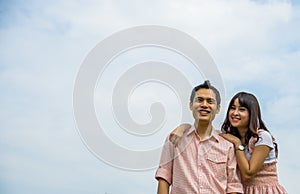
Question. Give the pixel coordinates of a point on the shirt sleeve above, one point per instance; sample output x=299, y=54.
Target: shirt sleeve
x=234, y=181
x=165, y=168
x=265, y=138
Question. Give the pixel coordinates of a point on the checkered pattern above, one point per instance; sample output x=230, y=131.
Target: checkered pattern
x=200, y=166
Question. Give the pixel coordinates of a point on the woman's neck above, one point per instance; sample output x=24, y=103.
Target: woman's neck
x=243, y=132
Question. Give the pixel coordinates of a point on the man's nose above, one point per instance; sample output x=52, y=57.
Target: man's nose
x=204, y=103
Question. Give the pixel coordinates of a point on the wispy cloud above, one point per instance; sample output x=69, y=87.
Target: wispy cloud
x=255, y=45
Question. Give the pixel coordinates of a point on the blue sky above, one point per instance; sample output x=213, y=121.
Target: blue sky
x=255, y=45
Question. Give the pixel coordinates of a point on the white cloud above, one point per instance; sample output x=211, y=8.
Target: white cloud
x=255, y=45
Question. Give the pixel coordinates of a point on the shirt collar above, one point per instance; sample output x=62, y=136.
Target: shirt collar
x=214, y=133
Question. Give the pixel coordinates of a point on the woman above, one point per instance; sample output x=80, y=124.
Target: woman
x=256, y=150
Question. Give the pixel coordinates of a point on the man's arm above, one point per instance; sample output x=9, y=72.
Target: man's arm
x=164, y=173
x=233, y=182
x=163, y=187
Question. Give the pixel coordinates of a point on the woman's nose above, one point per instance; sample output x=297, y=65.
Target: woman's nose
x=235, y=112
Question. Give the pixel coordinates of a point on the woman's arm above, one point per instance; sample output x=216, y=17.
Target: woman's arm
x=176, y=134
x=248, y=168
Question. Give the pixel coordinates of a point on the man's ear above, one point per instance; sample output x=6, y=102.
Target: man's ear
x=218, y=108
x=191, y=105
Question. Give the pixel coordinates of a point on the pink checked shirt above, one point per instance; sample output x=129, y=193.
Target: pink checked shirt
x=200, y=166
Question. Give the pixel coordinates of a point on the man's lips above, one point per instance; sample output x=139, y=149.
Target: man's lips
x=204, y=112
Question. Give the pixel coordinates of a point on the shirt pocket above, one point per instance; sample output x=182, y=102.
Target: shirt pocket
x=218, y=166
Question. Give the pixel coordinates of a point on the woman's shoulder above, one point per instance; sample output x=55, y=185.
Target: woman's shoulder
x=264, y=133
x=264, y=138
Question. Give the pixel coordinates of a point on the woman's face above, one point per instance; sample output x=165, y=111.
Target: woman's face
x=238, y=115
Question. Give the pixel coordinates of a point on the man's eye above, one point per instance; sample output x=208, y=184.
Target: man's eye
x=211, y=101
x=199, y=100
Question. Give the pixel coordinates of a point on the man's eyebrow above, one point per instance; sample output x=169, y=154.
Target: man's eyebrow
x=199, y=98
x=203, y=98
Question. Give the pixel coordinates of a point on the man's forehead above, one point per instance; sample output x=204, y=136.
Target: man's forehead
x=205, y=93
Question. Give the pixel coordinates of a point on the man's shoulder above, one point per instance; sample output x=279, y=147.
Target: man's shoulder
x=223, y=140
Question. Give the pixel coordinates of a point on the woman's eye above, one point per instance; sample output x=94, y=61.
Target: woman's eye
x=243, y=109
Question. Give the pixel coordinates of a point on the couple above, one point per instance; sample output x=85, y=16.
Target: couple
x=198, y=159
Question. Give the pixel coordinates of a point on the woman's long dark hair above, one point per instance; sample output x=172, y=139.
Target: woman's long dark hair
x=250, y=102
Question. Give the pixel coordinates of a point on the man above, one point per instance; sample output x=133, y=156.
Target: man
x=203, y=162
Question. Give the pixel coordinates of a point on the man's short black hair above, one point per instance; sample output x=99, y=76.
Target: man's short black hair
x=206, y=85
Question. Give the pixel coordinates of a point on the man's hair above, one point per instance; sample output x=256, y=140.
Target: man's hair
x=206, y=85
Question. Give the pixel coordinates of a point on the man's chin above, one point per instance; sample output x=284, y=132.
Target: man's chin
x=204, y=120
x=204, y=117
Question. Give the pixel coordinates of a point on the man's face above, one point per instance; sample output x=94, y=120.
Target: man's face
x=204, y=106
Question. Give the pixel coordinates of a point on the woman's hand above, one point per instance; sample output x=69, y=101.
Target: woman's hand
x=176, y=135
x=231, y=138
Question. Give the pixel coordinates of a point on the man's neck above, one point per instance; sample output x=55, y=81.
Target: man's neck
x=203, y=129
